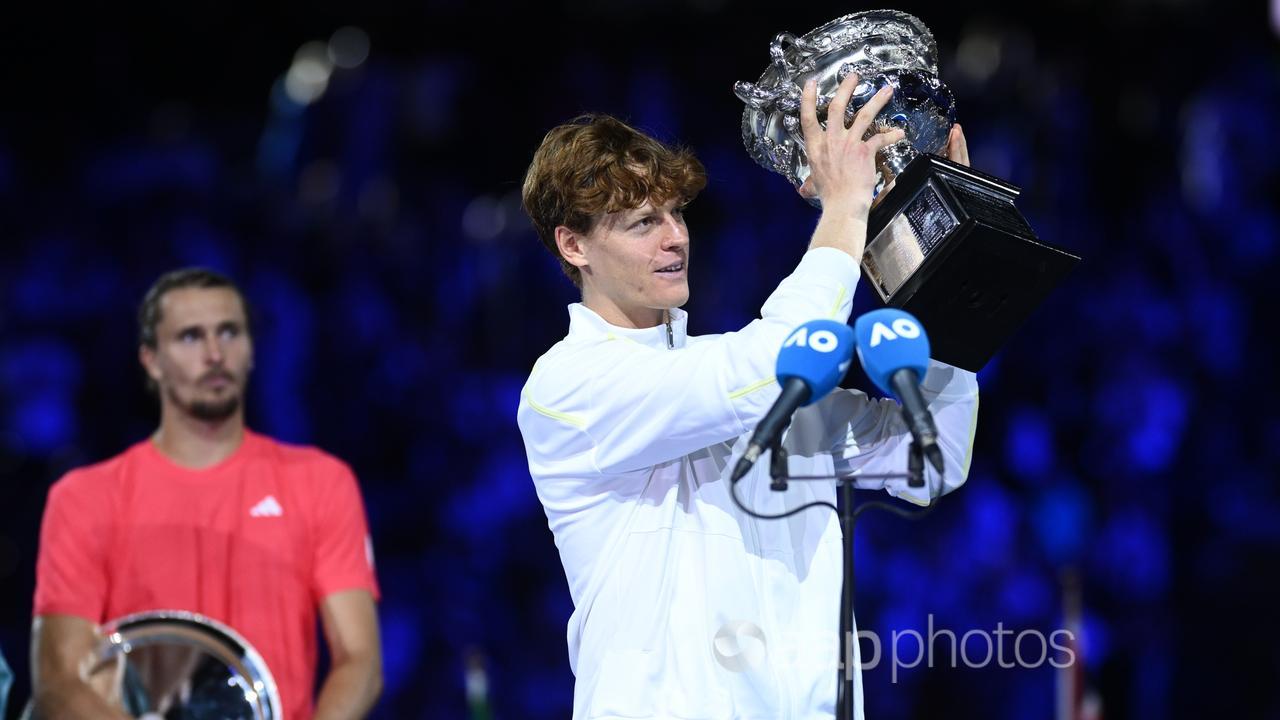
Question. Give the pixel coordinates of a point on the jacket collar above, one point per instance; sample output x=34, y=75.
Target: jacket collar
x=584, y=323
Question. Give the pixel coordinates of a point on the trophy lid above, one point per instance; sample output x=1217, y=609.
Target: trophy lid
x=872, y=40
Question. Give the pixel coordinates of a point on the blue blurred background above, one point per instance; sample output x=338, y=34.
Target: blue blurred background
x=356, y=167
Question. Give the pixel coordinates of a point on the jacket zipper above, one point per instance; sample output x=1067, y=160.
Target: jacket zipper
x=762, y=588
x=671, y=337
x=770, y=618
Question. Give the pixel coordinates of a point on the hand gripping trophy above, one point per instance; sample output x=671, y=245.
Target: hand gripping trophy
x=945, y=242
x=162, y=664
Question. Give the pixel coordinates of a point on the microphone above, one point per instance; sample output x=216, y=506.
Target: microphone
x=894, y=352
x=811, y=362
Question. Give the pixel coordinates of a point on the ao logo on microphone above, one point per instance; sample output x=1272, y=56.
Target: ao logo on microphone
x=902, y=327
x=824, y=341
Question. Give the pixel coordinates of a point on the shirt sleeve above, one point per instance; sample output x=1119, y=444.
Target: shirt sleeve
x=343, y=547
x=71, y=564
x=870, y=436
x=616, y=406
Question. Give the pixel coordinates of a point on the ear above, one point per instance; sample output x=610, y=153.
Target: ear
x=571, y=246
x=147, y=357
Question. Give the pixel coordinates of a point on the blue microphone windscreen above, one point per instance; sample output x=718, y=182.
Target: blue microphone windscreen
x=818, y=352
x=889, y=340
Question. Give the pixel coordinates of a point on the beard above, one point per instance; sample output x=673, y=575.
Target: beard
x=214, y=411
x=207, y=410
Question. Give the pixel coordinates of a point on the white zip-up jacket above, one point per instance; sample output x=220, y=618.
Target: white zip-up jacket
x=631, y=436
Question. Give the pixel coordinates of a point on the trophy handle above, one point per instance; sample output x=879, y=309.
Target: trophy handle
x=777, y=52
x=754, y=96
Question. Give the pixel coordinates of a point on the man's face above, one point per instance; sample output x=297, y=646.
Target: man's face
x=639, y=258
x=203, y=352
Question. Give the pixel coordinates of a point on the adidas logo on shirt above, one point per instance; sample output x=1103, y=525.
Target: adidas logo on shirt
x=267, y=507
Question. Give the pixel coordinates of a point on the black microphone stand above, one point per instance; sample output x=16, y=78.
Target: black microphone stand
x=848, y=515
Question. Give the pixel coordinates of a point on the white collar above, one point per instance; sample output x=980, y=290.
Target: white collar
x=585, y=322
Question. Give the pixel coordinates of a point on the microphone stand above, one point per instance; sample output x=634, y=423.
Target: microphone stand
x=779, y=479
x=845, y=669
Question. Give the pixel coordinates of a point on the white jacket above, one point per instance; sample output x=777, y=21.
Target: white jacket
x=631, y=435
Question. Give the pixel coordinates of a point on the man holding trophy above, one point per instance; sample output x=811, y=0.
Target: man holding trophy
x=214, y=535
x=632, y=426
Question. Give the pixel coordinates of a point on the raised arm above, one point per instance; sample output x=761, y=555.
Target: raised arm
x=842, y=165
x=870, y=436
x=614, y=406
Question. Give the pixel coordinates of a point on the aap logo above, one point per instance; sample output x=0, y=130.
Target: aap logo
x=739, y=646
x=902, y=327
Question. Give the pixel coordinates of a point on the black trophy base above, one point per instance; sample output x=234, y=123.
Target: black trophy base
x=983, y=271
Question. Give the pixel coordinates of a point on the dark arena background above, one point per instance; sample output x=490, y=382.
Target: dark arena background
x=356, y=167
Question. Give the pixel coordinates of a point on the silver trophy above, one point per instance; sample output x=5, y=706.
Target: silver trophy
x=945, y=242
x=172, y=664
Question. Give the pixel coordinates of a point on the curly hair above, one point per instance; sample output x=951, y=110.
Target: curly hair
x=595, y=165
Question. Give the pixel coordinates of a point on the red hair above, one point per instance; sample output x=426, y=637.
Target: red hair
x=595, y=165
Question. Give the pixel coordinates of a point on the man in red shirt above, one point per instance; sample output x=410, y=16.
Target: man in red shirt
x=209, y=517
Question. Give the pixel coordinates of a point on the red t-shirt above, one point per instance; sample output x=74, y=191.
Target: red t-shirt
x=255, y=542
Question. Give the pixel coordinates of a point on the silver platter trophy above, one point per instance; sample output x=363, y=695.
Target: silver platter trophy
x=945, y=242
x=176, y=665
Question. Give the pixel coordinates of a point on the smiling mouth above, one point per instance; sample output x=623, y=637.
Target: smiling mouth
x=671, y=269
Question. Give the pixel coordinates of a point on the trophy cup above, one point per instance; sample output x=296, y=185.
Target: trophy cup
x=944, y=241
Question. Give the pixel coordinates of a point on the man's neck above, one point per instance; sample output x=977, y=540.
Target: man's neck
x=197, y=444
x=615, y=314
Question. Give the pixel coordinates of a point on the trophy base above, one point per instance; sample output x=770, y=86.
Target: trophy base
x=948, y=246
